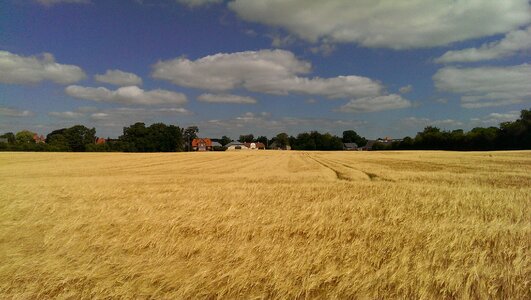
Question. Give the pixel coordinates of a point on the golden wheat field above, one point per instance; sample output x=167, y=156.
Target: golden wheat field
x=264, y=225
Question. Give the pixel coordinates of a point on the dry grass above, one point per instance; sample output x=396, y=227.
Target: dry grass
x=265, y=225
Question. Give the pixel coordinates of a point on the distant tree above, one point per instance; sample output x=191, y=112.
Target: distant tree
x=247, y=138
x=134, y=138
x=10, y=136
x=315, y=140
x=483, y=138
x=282, y=140
x=158, y=137
x=517, y=134
x=188, y=134
x=262, y=139
x=225, y=140
x=429, y=138
x=25, y=137
x=79, y=136
x=351, y=136
x=58, y=141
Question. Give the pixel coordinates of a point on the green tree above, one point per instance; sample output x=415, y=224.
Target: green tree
x=79, y=136
x=188, y=135
x=282, y=140
x=351, y=136
x=247, y=138
x=58, y=141
x=10, y=136
x=225, y=140
x=158, y=137
x=262, y=139
x=25, y=137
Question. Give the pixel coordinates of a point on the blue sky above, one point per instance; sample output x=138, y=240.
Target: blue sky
x=263, y=66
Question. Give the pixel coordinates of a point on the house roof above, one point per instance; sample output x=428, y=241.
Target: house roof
x=206, y=141
x=216, y=144
x=235, y=143
x=350, y=145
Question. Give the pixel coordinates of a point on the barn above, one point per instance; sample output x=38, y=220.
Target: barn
x=236, y=146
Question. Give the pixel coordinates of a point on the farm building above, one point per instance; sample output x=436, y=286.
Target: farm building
x=255, y=146
x=100, y=141
x=202, y=144
x=236, y=146
x=350, y=146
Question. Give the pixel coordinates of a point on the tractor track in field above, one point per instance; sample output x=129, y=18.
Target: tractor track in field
x=339, y=175
x=371, y=176
x=327, y=163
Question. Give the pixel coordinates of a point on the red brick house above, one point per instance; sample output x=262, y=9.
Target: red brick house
x=39, y=138
x=100, y=141
x=202, y=144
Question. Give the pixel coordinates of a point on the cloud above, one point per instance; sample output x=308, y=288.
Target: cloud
x=111, y=121
x=126, y=114
x=66, y=114
x=388, y=23
x=373, y=104
x=486, y=86
x=494, y=119
x=225, y=71
x=33, y=69
x=250, y=32
x=225, y=98
x=13, y=112
x=265, y=123
x=281, y=41
x=53, y=2
x=406, y=89
x=419, y=123
x=266, y=71
x=325, y=49
x=513, y=42
x=119, y=78
x=126, y=95
x=197, y=3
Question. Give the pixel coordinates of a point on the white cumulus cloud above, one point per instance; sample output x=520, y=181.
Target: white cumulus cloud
x=266, y=71
x=120, y=78
x=66, y=114
x=13, y=112
x=494, y=119
x=486, y=86
x=197, y=3
x=419, y=123
x=406, y=89
x=388, y=23
x=513, y=42
x=126, y=95
x=373, y=104
x=226, y=98
x=33, y=69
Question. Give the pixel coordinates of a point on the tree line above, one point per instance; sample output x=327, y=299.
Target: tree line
x=514, y=135
x=159, y=137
